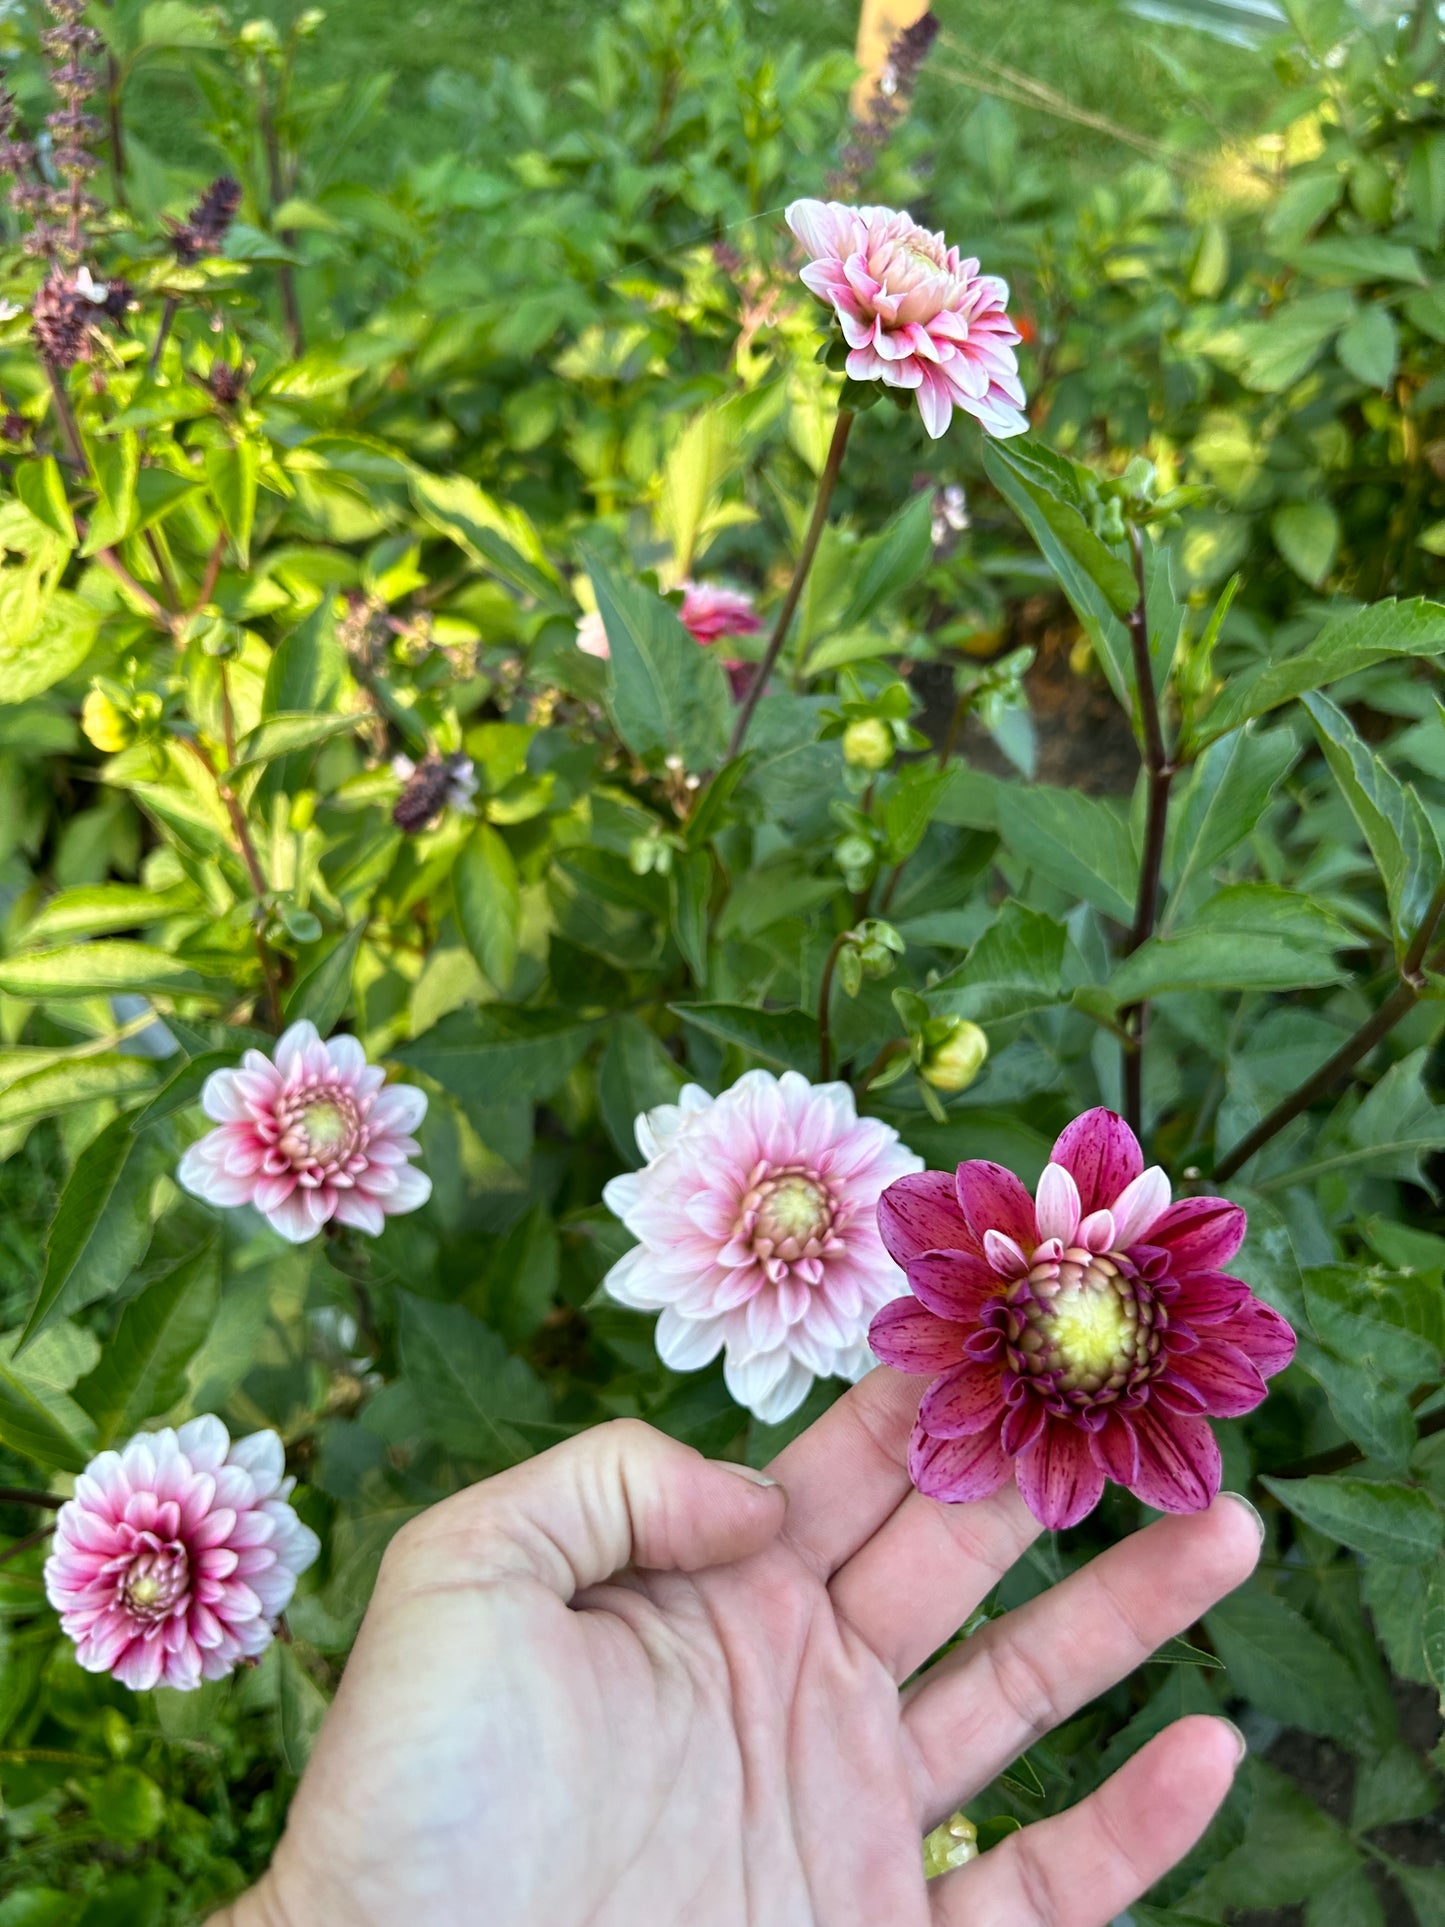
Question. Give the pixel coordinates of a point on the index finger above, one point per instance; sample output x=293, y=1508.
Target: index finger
x=849, y=1471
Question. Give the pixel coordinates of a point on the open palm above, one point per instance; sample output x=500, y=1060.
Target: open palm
x=624, y=1685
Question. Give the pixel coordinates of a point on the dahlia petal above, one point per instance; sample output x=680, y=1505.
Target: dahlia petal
x=363, y=1212
x=1258, y=1330
x=1179, y=1465
x=345, y=1055
x=687, y=1344
x=1006, y=1257
x=992, y=1199
x=921, y=1213
x=1228, y=1382
x=1022, y=1424
x=962, y=1402
x=398, y=1109
x=1139, y=1206
x=1116, y=1449
x=293, y=1045
x=958, y=1470
x=1205, y=1297
x=1103, y=1155
x=953, y=1284
x=1097, y=1232
x=292, y=1219
x=935, y=402
x=1057, y=1204
x=264, y=1457
x=1200, y=1234
x=1058, y=1477
x=909, y=1338
x=769, y=1384
x=222, y=1100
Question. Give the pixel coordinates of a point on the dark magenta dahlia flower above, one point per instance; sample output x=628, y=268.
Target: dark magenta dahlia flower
x=1086, y=1334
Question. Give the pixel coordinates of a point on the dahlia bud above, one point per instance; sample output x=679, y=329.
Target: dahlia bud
x=103, y=724
x=868, y=744
x=952, y=1845
x=953, y=1059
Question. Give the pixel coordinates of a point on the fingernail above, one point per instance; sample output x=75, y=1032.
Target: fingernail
x=1253, y=1511
x=1240, y=1743
x=745, y=1472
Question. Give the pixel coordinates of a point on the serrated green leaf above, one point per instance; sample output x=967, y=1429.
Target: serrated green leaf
x=467, y=1385
x=498, y=535
x=1370, y=348
x=1392, y=1324
x=496, y=1053
x=636, y=1074
x=786, y=1039
x=55, y=1087
x=283, y=735
x=1277, y=1660
x=1016, y=966
x=323, y=992
x=41, y=487
x=1247, y=936
x=1228, y=793
x=232, y=473
x=1389, y=1521
x=98, y=908
x=1307, y=535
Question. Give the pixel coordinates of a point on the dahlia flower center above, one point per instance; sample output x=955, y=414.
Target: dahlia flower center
x=1084, y=1325
x=155, y=1581
x=792, y=1214
x=322, y=1128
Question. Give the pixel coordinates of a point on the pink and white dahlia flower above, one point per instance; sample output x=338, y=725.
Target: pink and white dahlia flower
x=177, y=1555
x=1085, y=1334
x=309, y=1137
x=758, y=1236
x=914, y=313
x=708, y=613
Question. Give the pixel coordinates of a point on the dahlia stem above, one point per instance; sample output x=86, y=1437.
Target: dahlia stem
x=259, y=887
x=1160, y=772
x=1400, y=1002
x=825, y=999
x=163, y=332
x=29, y=1495
x=31, y=1539
x=826, y=482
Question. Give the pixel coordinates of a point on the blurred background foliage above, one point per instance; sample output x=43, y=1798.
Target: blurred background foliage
x=508, y=319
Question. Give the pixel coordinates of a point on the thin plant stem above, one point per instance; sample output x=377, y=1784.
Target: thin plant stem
x=1160, y=774
x=29, y=1495
x=69, y=427
x=31, y=1539
x=825, y=1000
x=285, y=277
x=117, y=130
x=158, y=613
x=259, y=887
x=1400, y=1002
x=163, y=332
x=163, y=569
x=826, y=482
x=209, y=579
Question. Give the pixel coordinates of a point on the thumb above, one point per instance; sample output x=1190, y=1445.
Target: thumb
x=618, y=1495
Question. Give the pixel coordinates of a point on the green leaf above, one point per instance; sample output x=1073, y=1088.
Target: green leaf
x=495, y=534
x=102, y=1224
x=98, y=908
x=1045, y=490
x=81, y=1080
x=1307, y=535
x=307, y=673
x=1390, y=1324
x=893, y=560
x=1375, y=1414
x=1370, y=348
x=468, y=1387
x=1432, y=1632
x=668, y=697
x=157, y=492
x=91, y=969
x=282, y=735
x=1400, y=835
x=142, y=1372
x=1228, y=793
x=1278, y=1661
x=497, y=1053
x=1350, y=1901
x=37, y=1419
x=1399, y=1522
x=1016, y=966
x=488, y=897
x=115, y=460
x=36, y=656
x=519, y=1285
x=41, y=487
x=1249, y=936
x=636, y=1074
x=324, y=991
x=785, y=1039
x=300, y=1708
x=232, y=472
x=1278, y=351
x=908, y=807
x=183, y=1088
x=1348, y=643
x=1081, y=844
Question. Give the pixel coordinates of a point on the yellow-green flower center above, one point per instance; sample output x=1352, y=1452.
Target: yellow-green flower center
x=327, y=1127
x=1090, y=1327
x=795, y=1209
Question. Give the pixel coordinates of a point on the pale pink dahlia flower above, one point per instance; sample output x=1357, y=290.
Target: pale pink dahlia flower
x=914, y=313
x=1086, y=1334
x=309, y=1137
x=708, y=613
x=177, y=1555
x=758, y=1236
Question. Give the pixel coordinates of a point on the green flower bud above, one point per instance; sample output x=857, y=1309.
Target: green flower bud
x=868, y=744
x=952, y=1845
x=954, y=1059
x=876, y=959
x=854, y=855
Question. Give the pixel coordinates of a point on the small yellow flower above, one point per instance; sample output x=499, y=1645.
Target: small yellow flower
x=868, y=744
x=109, y=728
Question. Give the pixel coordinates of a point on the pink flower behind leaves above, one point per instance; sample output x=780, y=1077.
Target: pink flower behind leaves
x=1086, y=1334
x=177, y=1555
x=708, y=613
x=758, y=1237
x=308, y=1137
x=914, y=313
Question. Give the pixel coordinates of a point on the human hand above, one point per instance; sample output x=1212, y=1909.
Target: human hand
x=627, y=1686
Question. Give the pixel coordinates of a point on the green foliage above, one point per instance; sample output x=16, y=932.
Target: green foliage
x=349, y=485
